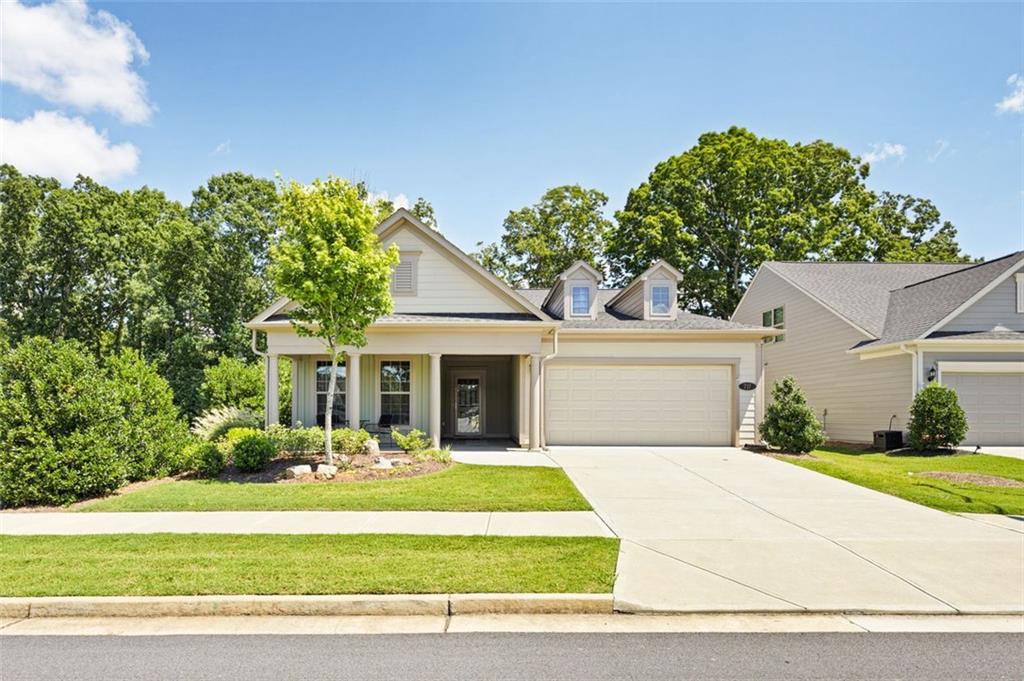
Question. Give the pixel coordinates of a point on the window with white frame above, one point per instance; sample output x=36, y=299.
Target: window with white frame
x=396, y=390
x=775, y=319
x=323, y=382
x=661, y=300
x=581, y=300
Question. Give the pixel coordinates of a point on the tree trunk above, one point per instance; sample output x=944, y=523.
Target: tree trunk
x=329, y=409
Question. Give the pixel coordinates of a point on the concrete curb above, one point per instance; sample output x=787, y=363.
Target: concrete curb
x=356, y=605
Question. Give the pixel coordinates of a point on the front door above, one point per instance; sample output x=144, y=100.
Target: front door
x=469, y=403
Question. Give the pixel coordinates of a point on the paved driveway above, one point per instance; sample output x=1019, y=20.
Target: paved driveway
x=711, y=529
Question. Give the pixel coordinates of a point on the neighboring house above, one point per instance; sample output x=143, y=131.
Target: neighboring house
x=862, y=338
x=466, y=356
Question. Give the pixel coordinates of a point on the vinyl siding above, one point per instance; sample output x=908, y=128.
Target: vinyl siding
x=998, y=307
x=632, y=303
x=557, y=305
x=860, y=395
x=743, y=352
x=442, y=285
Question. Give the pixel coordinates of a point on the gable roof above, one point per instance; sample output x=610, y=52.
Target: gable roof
x=403, y=217
x=858, y=291
x=610, y=319
x=660, y=264
x=918, y=310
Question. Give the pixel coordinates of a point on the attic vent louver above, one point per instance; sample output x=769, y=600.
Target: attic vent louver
x=403, y=280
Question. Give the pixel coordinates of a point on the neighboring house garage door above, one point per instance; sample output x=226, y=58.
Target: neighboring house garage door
x=994, y=404
x=638, y=405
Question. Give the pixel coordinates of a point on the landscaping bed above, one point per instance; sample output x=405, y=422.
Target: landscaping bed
x=175, y=564
x=350, y=469
x=957, y=482
x=459, y=487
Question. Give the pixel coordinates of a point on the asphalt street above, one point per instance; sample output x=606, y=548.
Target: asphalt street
x=482, y=656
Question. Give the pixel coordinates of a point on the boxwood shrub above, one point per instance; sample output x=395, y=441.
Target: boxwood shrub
x=253, y=452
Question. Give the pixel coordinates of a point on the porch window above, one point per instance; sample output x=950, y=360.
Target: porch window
x=396, y=390
x=581, y=300
x=775, y=319
x=323, y=382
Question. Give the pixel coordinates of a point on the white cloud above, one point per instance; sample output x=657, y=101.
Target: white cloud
x=884, y=150
x=1013, y=102
x=52, y=144
x=398, y=200
x=940, y=148
x=222, y=149
x=71, y=55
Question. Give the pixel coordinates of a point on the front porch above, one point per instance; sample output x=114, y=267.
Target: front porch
x=480, y=400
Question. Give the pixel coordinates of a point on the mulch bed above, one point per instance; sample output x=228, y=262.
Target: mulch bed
x=971, y=479
x=360, y=468
x=783, y=455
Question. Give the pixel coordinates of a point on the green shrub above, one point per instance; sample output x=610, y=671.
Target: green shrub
x=60, y=425
x=936, y=419
x=443, y=455
x=253, y=452
x=215, y=423
x=349, y=442
x=789, y=423
x=414, y=441
x=227, y=443
x=233, y=383
x=152, y=432
x=297, y=440
x=205, y=458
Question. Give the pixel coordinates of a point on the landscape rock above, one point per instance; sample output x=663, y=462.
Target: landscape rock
x=371, y=448
x=401, y=461
x=326, y=470
x=382, y=463
x=296, y=471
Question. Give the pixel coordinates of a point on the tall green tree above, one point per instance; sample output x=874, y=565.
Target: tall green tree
x=329, y=260
x=542, y=240
x=238, y=213
x=720, y=209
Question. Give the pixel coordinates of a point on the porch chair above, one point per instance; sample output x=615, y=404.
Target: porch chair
x=382, y=429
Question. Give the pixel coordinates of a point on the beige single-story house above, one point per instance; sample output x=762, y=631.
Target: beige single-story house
x=862, y=339
x=466, y=356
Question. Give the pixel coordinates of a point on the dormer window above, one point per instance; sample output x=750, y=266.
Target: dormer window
x=661, y=300
x=581, y=301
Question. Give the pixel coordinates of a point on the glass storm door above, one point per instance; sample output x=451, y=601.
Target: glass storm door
x=468, y=404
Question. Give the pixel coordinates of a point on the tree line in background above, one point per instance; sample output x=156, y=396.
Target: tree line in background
x=716, y=212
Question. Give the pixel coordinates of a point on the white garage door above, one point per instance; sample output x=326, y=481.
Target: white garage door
x=994, y=404
x=638, y=405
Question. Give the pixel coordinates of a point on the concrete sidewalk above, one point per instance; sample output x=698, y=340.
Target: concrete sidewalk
x=508, y=524
x=721, y=529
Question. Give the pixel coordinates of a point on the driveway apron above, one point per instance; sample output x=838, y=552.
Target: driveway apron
x=723, y=529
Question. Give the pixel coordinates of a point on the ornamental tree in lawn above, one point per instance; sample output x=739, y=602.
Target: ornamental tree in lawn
x=328, y=259
x=789, y=423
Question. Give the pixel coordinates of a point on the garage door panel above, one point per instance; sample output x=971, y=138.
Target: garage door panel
x=994, y=405
x=653, y=405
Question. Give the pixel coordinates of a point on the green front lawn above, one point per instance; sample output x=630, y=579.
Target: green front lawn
x=194, y=564
x=462, y=487
x=900, y=476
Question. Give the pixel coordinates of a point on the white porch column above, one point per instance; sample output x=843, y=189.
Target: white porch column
x=535, y=402
x=352, y=391
x=435, y=399
x=270, y=415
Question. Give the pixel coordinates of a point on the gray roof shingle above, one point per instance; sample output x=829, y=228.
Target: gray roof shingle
x=914, y=309
x=859, y=291
x=610, y=319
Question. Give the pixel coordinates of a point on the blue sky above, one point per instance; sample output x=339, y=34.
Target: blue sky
x=480, y=108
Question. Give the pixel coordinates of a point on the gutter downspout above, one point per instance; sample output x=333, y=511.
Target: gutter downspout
x=543, y=361
x=914, y=378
